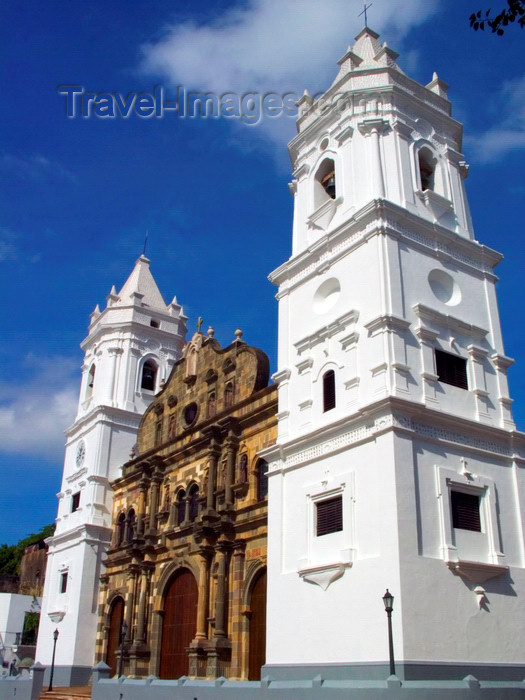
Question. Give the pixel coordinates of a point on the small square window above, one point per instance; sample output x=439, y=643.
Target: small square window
x=465, y=511
x=329, y=516
x=451, y=369
x=63, y=582
x=154, y=323
x=75, y=501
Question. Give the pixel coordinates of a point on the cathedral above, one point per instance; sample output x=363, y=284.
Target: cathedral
x=211, y=523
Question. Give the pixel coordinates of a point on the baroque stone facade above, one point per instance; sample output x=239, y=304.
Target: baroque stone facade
x=186, y=570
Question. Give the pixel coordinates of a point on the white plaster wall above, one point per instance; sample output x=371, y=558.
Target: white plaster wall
x=397, y=540
x=346, y=622
x=13, y=609
x=77, y=629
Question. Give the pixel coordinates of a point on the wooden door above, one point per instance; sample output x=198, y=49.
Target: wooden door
x=179, y=625
x=257, y=643
x=116, y=617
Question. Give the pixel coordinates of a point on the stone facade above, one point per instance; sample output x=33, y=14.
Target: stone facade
x=33, y=569
x=189, y=517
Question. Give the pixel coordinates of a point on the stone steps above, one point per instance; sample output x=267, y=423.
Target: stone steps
x=73, y=693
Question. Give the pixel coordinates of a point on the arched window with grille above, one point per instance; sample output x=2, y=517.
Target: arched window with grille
x=181, y=506
x=193, y=502
x=261, y=472
x=131, y=523
x=121, y=528
x=328, y=390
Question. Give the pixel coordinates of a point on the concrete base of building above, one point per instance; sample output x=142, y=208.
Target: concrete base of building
x=405, y=671
x=65, y=676
x=322, y=686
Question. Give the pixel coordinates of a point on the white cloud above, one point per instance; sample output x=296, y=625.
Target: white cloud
x=34, y=413
x=509, y=134
x=35, y=166
x=272, y=46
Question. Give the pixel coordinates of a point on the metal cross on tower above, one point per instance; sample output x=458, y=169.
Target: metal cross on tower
x=365, y=8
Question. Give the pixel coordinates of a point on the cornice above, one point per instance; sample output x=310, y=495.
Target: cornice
x=337, y=326
x=87, y=532
x=430, y=315
x=393, y=414
x=102, y=414
x=381, y=217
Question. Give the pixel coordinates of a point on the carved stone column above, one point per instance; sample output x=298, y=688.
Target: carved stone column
x=141, y=621
x=220, y=601
x=214, y=451
x=231, y=453
x=204, y=593
x=156, y=481
x=139, y=652
x=230, y=427
x=198, y=647
x=236, y=669
x=130, y=601
x=143, y=486
x=219, y=650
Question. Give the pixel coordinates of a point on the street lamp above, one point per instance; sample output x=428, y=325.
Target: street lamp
x=388, y=600
x=123, y=633
x=55, y=637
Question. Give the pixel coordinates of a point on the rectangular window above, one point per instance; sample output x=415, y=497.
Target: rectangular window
x=63, y=582
x=465, y=511
x=75, y=501
x=329, y=516
x=451, y=369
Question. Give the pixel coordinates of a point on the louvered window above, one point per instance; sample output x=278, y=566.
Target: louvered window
x=451, y=369
x=329, y=516
x=465, y=511
x=329, y=390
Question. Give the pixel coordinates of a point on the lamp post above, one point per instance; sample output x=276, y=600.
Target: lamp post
x=388, y=600
x=55, y=637
x=123, y=633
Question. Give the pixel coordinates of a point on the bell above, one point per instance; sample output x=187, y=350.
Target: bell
x=329, y=187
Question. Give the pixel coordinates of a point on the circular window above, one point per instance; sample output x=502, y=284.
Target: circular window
x=326, y=296
x=190, y=413
x=324, y=144
x=444, y=287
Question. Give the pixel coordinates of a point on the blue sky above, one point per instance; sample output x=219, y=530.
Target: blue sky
x=79, y=194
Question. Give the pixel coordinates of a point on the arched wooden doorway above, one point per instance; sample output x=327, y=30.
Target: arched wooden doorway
x=257, y=644
x=116, y=617
x=179, y=625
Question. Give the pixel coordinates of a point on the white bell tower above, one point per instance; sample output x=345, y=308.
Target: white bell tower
x=397, y=464
x=129, y=351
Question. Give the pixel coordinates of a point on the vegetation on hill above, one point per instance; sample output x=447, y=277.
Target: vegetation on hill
x=11, y=554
